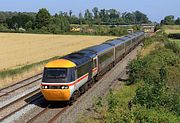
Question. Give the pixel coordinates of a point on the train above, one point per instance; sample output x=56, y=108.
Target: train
x=66, y=78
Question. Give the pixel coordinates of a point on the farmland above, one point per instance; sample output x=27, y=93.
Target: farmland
x=169, y=29
x=17, y=50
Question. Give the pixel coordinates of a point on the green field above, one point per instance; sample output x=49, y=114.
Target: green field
x=171, y=27
x=176, y=41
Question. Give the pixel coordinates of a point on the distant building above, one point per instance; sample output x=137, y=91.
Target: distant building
x=130, y=30
x=75, y=29
x=148, y=28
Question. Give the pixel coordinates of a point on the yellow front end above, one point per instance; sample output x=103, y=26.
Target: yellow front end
x=56, y=94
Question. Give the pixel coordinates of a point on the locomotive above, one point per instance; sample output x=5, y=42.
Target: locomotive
x=66, y=78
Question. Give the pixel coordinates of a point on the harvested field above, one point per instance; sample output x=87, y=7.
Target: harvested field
x=170, y=31
x=171, y=27
x=17, y=50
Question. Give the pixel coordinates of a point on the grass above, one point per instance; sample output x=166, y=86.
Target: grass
x=23, y=55
x=147, y=50
x=176, y=41
x=170, y=31
x=171, y=27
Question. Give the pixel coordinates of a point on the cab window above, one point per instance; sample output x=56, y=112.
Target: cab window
x=55, y=75
x=71, y=74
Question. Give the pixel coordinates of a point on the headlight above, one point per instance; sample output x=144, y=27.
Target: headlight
x=44, y=87
x=64, y=87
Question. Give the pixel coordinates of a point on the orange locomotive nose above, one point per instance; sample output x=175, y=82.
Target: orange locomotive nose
x=56, y=94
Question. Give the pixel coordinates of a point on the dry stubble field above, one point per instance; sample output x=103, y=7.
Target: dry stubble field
x=21, y=49
x=17, y=50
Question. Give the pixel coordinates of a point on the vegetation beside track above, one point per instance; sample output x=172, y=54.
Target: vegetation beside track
x=152, y=93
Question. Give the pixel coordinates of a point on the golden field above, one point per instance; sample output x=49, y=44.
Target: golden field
x=17, y=50
x=169, y=31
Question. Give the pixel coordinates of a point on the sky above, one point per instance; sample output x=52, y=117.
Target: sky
x=156, y=10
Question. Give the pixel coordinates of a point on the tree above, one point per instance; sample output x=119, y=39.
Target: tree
x=177, y=21
x=80, y=18
x=102, y=14
x=88, y=17
x=43, y=18
x=114, y=14
x=70, y=13
x=19, y=20
x=29, y=25
x=140, y=17
x=2, y=18
x=168, y=20
x=58, y=24
x=129, y=18
x=95, y=12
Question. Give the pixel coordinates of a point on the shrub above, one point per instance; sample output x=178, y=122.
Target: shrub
x=136, y=71
x=173, y=46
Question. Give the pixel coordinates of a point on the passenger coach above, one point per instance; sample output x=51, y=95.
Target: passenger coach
x=66, y=78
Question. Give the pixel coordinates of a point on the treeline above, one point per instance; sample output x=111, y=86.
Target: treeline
x=44, y=22
x=170, y=20
x=41, y=22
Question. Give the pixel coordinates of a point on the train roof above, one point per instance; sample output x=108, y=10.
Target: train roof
x=114, y=42
x=139, y=33
x=79, y=58
x=89, y=53
x=100, y=48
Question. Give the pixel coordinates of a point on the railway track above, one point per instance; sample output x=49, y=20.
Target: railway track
x=12, y=97
x=9, y=89
x=56, y=113
x=8, y=115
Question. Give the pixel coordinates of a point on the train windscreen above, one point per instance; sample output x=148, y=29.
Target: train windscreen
x=55, y=75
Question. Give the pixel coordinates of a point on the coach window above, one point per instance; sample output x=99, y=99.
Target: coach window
x=106, y=56
x=82, y=70
x=128, y=43
x=119, y=48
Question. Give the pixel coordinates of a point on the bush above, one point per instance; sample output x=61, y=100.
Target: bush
x=155, y=73
x=136, y=71
x=142, y=114
x=173, y=46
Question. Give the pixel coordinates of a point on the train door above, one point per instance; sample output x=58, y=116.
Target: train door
x=95, y=66
x=90, y=68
